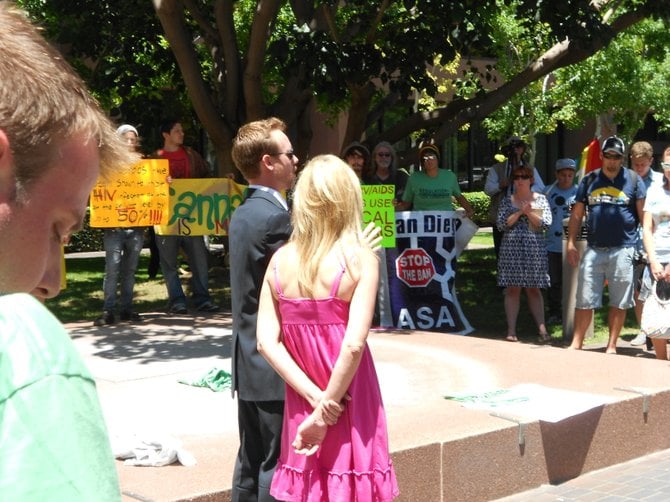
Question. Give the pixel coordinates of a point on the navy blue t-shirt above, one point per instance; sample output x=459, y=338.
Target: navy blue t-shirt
x=610, y=206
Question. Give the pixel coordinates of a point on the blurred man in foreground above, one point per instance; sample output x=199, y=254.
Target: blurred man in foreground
x=54, y=143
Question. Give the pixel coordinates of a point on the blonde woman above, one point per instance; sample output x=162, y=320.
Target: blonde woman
x=316, y=307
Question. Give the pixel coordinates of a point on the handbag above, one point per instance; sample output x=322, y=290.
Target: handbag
x=655, y=321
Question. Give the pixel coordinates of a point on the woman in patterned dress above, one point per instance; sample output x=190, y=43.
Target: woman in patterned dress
x=523, y=218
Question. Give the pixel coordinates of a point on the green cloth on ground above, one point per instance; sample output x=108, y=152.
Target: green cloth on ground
x=216, y=379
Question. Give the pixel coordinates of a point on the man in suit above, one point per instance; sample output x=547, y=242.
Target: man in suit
x=259, y=226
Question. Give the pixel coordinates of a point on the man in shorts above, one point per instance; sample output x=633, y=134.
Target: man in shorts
x=612, y=199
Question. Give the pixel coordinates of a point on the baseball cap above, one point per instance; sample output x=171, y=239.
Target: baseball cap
x=566, y=164
x=613, y=144
x=123, y=129
x=429, y=149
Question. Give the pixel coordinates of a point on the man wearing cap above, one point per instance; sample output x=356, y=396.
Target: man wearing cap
x=561, y=197
x=641, y=158
x=614, y=197
x=498, y=184
x=432, y=188
x=357, y=156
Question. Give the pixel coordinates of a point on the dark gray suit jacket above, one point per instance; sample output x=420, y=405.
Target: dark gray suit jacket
x=258, y=227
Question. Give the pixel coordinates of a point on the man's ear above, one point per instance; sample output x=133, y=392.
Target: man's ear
x=7, y=177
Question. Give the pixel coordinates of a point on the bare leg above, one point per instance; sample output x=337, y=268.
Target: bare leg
x=536, y=307
x=615, y=319
x=661, y=348
x=582, y=322
x=512, y=296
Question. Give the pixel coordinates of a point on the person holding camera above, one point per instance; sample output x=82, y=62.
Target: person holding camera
x=498, y=185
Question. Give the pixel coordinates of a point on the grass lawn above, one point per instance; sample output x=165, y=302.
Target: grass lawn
x=478, y=294
x=82, y=298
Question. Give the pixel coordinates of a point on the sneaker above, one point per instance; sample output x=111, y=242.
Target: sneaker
x=178, y=309
x=129, y=315
x=640, y=339
x=208, y=307
x=107, y=317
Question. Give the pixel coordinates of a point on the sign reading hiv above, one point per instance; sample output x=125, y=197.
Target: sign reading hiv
x=136, y=197
x=415, y=267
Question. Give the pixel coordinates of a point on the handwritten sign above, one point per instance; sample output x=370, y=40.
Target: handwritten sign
x=378, y=208
x=201, y=206
x=137, y=197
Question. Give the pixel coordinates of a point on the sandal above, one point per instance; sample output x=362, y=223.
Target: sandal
x=544, y=337
x=511, y=338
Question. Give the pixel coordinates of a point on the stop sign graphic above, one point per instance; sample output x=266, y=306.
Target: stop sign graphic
x=414, y=267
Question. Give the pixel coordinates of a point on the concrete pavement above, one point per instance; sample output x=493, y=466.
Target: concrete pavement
x=442, y=450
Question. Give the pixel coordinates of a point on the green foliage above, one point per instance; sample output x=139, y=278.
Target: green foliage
x=87, y=239
x=480, y=202
x=120, y=51
x=627, y=80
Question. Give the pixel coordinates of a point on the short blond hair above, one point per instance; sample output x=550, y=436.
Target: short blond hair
x=327, y=208
x=44, y=103
x=253, y=140
x=641, y=149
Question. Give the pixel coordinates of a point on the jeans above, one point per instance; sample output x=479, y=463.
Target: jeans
x=197, y=254
x=122, y=253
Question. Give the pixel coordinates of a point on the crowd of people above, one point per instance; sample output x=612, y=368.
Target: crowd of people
x=608, y=207
x=304, y=283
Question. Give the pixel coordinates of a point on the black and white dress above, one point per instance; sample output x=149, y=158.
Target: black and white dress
x=523, y=250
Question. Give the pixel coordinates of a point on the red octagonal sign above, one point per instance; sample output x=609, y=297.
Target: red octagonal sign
x=414, y=267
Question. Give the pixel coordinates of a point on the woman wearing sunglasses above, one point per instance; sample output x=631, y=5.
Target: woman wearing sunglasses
x=523, y=218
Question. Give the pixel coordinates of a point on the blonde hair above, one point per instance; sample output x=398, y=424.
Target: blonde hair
x=641, y=149
x=44, y=103
x=252, y=141
x=327, y=212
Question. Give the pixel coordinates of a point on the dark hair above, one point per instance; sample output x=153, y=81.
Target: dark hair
x=168, y=124
x=523, y=169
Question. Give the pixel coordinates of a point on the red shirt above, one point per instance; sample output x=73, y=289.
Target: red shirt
x=179, y=164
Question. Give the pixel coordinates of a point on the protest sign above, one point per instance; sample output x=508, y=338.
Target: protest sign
x=422, y=271
x=201, y=206
x=136, y=197
x=378, y=208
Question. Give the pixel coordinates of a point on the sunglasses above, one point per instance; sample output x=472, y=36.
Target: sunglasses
x=521, y=177
x=612, y=156
x=429, y=157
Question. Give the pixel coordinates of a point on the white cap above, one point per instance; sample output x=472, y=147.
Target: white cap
x=123, y=129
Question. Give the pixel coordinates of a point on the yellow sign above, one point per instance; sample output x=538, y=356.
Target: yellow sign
x=137, y=197
x=202, y=206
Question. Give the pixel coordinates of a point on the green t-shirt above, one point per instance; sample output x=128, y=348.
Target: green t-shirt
x=53, y=436
x=431, y=194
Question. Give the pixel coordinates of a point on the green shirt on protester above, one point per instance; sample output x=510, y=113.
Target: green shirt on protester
x=53, y=437
x=431, y=194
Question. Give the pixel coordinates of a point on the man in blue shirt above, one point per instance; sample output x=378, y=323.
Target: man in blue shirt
x=612, y=199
